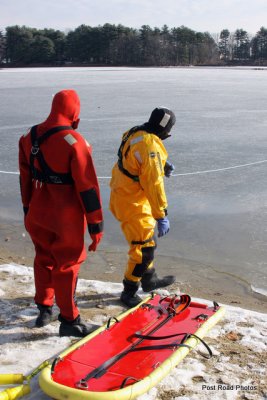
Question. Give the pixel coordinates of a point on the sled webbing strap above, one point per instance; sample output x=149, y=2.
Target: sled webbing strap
x=161, y=347
x=102, y=369
x=126, y=380
x=110, y=320
x=159, y=309
x=46, y=174
x=186, y=336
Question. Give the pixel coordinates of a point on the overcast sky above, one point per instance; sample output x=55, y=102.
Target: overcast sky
x=200, y=15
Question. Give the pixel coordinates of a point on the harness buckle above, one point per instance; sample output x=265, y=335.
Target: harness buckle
x=35, y=149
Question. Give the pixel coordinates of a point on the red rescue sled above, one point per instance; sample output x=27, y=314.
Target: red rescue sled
x=133, y=352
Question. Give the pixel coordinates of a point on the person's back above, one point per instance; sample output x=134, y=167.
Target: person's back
x=60, y=193
x=141, y=152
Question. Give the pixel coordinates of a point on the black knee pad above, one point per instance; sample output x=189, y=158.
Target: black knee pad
x=147, y=258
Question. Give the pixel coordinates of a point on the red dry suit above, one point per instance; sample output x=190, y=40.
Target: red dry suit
x=60, y=195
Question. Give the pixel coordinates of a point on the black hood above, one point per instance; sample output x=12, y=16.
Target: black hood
x=161, y=122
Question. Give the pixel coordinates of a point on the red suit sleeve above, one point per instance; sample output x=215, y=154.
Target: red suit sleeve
x=86, y=183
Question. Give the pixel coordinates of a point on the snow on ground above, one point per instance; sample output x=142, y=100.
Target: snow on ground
x=239, y=342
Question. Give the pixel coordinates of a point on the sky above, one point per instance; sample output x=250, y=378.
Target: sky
x=200, y=15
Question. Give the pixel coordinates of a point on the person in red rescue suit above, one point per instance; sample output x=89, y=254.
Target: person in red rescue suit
x=60, y=196
x=138, y=200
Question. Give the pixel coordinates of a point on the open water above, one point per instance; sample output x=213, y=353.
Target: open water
x=218, y=194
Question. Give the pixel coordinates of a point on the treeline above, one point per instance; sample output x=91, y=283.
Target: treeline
x=120, y=45
x=240, y=46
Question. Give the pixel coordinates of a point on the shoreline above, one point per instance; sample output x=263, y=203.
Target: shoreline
x=4, y=66
x=107, y=264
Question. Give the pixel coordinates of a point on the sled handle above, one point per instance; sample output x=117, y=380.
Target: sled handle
x=11, y=379
x=110, y=320
x=15, y=393
x=21, y=390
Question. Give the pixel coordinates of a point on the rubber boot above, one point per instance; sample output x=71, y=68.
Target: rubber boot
x=44, y=317
x=128, y=295
x=150, y=280
x=76, y=327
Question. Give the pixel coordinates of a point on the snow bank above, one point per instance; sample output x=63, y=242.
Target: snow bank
x=239, y=343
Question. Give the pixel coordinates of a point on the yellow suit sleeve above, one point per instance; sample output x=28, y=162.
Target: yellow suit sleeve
x=151, y=177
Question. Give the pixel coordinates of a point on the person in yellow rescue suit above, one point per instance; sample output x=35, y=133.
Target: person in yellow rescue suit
x=138, y=200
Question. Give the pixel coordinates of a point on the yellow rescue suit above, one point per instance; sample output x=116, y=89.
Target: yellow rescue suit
x=138, y=201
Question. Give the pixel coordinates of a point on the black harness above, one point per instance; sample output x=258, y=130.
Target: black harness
x=135, y=129
x=46, y=174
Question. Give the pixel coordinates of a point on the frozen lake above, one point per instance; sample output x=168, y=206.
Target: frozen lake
x=218, y=196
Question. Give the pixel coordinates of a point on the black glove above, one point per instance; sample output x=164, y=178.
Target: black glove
x=168, y=169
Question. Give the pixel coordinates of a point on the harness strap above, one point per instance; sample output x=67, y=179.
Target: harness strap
x=135, y=178
x=48, y=133
x=46, y=174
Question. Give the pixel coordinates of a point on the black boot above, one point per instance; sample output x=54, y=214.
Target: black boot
x=44, y=317
x=129, y=296
x=76, y=327
x=150, y=281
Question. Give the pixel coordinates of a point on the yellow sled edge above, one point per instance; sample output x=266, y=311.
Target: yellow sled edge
x=61, y=392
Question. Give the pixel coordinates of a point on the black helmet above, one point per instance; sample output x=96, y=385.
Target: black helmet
x=161, y=122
